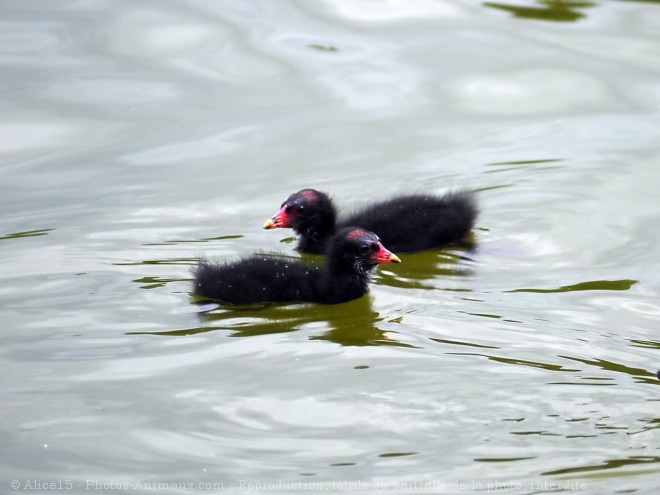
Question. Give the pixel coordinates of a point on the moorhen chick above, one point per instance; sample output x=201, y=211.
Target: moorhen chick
x=352, y=255
x=405, y=224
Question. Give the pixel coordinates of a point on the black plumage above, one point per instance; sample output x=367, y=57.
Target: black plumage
x=353, y=254
x=408, y=223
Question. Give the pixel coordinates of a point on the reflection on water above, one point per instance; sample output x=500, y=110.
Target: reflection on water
x=323, y=48
x=193, y=241
x=529, y=165
x=551, y=10
x=462, y=343
x=649, y=344
x=609, y=464
x=589, y=285
x=29, y=233
x=639, y=374
x=156, y=282
x=350, y=324
x=522, y=362
x=423, y=270
x=136, y=139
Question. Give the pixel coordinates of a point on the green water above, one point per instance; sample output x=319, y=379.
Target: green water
x=138, y=136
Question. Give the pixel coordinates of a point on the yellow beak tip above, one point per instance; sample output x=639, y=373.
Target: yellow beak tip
x=395, y=259
x=269, y=224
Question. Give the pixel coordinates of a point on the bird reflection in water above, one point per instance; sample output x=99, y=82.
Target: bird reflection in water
x=421, y=270
x=548, y=10
x=350, y=324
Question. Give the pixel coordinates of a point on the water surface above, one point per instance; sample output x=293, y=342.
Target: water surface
x=137, y=137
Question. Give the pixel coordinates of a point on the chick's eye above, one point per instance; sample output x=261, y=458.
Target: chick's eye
x=365, y=249
x=294, y=208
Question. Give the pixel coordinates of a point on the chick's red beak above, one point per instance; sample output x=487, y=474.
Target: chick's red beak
x=279, y=220
x=385, y=256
